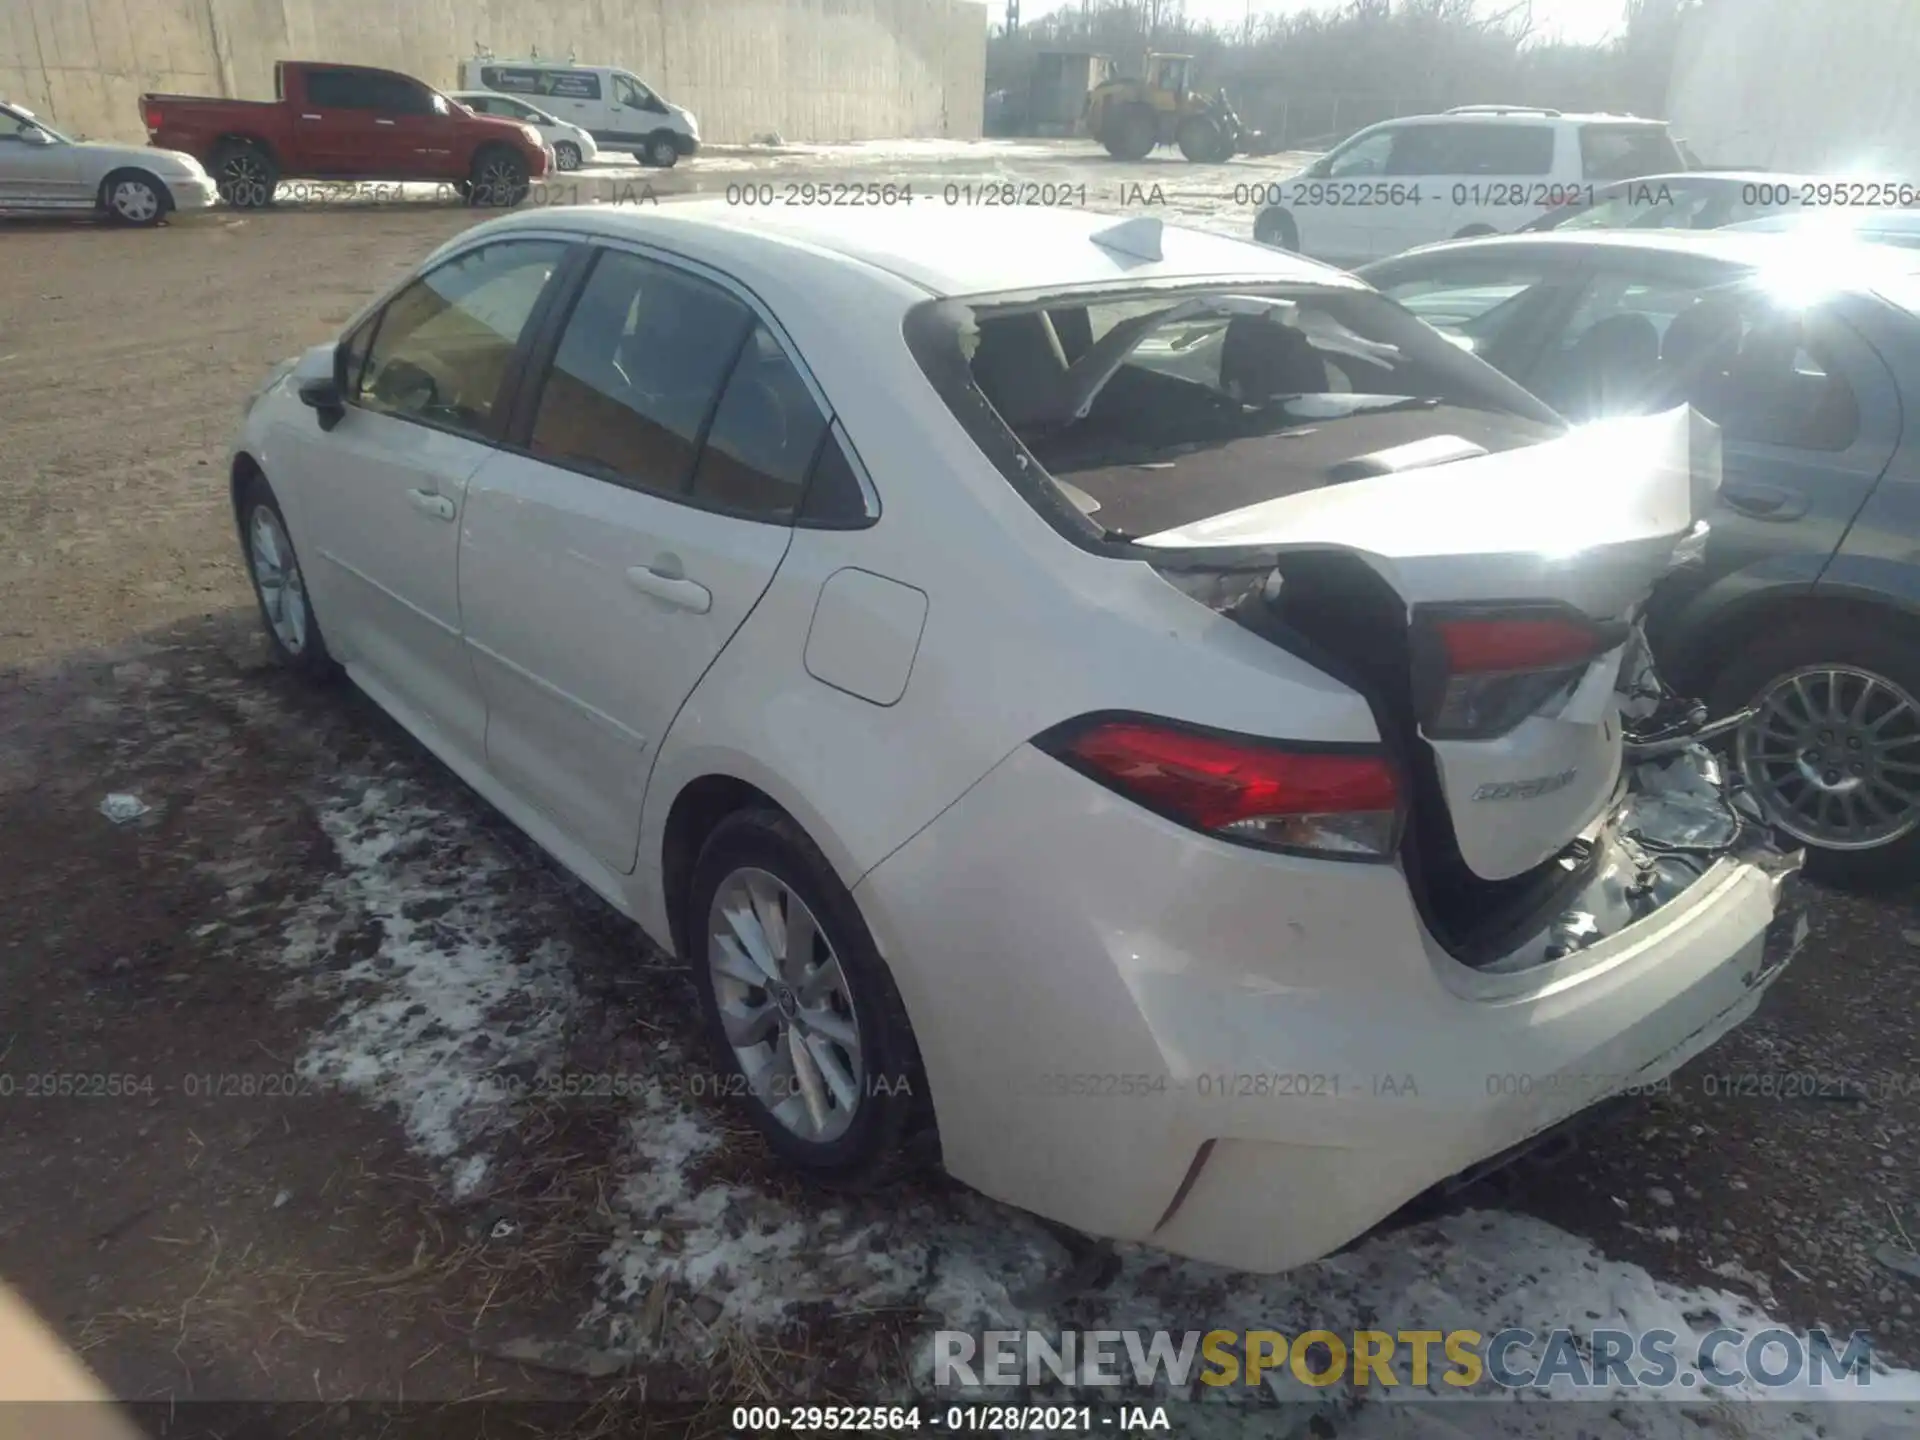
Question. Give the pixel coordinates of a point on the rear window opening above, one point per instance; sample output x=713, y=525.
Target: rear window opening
x=1149, y=412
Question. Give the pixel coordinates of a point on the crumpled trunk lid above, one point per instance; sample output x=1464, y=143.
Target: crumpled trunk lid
x=1493, y=556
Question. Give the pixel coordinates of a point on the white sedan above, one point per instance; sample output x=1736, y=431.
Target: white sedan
x=43, y=172
x=1131, y=712
x=572, y=146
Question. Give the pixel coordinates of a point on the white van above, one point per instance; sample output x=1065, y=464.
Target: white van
x=1476, y=170
x=614, y=106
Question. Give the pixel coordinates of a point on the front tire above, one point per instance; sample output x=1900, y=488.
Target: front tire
x=133, y=197
x=1202, y=141
x=566, y=155
x=799, y=1005
x=498, y=180
x=1834, y=754
x=1275, y=226
x=279, y=585
x=660, y=152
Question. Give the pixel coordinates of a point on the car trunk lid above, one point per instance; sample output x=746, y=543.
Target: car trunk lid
x=1515, y=576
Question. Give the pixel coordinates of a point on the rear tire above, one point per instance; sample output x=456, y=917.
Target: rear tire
x=498, y=179
x=1275, y=226
x=279, y=585
x=245, y=174
x=834, y=999
x=134, y=197
x=1811, y=650
x=1201, y=141
x=1131, y=132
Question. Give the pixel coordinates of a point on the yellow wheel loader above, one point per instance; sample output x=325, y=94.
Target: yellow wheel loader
x=1132, y=116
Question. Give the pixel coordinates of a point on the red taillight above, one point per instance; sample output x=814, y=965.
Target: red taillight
x=1332, y=802
x=152, y=117
x=1480, y=673
x=1483, y=645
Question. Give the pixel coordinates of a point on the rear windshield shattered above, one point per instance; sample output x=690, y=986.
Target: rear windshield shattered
x=1153, y=410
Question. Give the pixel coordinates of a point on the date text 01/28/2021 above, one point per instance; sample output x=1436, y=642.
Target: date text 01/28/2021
x=977, y=1419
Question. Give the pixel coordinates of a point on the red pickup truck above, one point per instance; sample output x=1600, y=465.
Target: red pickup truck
x=346, y=122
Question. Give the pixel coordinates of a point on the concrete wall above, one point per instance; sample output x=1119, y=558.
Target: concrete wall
x=808, y=69
x=1793, y=85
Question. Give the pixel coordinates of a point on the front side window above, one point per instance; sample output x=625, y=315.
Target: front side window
x=628, y=91
x=1365, y=156
x=14, y=127
x=638, y=372
x=1626, y=152
x=442, y=345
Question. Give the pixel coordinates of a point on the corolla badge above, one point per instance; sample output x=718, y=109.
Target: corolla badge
x=1525, y=789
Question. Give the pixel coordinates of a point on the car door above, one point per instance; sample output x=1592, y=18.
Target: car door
x=1808, y=412
x=383, y=490
x=39, y=170
x=418, y=132
x=613, y=552
x=578, y=96
x=1496, y=175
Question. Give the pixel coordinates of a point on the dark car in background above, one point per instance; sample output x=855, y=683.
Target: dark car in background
x=1807, y=605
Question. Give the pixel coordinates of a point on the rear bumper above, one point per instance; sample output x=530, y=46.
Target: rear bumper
x=1251, y=1058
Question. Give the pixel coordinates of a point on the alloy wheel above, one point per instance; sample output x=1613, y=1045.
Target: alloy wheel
x=785, y=1005
x=1833, y=755
x=134, y=201
x=243, y=178
x=283, y=593
x=567, y=156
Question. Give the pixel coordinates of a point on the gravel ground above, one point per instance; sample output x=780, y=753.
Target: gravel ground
x=328, y=989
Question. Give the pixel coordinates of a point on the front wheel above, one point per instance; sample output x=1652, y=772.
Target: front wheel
x=799, y=1007
x=566, y=155
x=660, y=152
x=133, y=197
x=1833, y=751
x=279, y=585
x=499, y=179
x=1274, y=226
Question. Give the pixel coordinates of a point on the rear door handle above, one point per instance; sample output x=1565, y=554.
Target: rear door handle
x=429, y=502
x=1765, y=502
x=674, y=589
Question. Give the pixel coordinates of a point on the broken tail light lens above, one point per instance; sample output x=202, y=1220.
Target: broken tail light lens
x=1480, y=673
x=1333, y=802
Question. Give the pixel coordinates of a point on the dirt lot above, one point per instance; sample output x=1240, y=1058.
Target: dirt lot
x=279, y=1113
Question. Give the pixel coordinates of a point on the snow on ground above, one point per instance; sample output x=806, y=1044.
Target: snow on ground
x=439, y=988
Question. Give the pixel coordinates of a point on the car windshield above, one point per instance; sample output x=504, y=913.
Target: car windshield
x=1155, y=409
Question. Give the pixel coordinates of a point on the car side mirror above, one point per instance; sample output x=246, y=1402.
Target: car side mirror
x=319, y=381
x=34, y=135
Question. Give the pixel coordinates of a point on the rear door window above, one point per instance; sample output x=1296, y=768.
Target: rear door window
x=638, y=374
x=764, y=437
x=1626, y=152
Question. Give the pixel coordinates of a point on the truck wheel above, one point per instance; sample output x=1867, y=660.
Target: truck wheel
x=1131, y=133
x=660, y=151
x=133, y=197
x=499, y=178
x=245, y=175
x=1201, y=141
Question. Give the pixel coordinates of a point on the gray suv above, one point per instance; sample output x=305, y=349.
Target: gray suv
x=1808, y=604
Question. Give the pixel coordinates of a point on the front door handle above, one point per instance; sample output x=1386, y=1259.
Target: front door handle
x=1764, y=502
x=383, y=122
x=674, y=589
x=430, y=502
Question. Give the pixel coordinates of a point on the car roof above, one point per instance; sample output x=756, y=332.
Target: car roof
x=945, y=250
x=1523, y=113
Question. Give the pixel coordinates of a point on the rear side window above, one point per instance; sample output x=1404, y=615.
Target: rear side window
x=442, y=345
x=366, y=90
x=1626, y=152
x=1472, y=304
x=764, y=436
x=1494, y=148
x=639, y=372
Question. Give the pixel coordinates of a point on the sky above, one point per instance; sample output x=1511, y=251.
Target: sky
x=1577, y=21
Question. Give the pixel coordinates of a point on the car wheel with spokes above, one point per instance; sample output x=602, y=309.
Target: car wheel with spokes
x=660, y=152
x=1833, y=750
x=499, y=179
x=799, y=1007
x=133, y=197
x=245, y=175
x=566, y=155
x=286, y=609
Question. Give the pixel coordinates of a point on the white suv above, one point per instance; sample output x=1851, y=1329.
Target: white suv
x=1476, y=170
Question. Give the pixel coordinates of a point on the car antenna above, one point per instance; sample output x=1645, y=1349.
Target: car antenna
x=1138, y=237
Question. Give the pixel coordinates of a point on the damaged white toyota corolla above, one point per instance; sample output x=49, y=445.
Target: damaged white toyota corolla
x=1133, y=713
